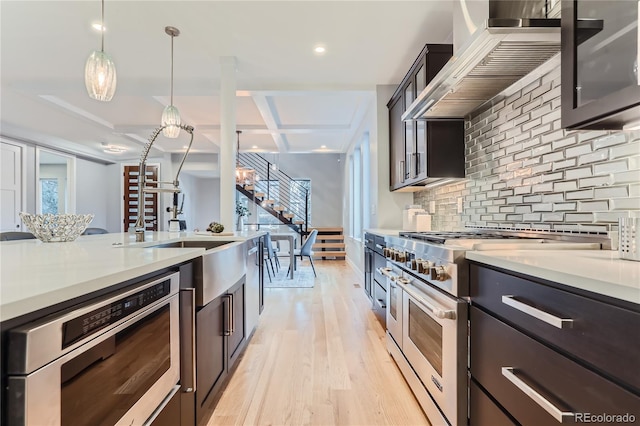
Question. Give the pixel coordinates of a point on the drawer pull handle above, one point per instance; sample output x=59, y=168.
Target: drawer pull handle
x=559, y=415
x=537, y=313
x=384, y=271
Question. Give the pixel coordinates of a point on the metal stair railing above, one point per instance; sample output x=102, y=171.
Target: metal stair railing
x=296, y=196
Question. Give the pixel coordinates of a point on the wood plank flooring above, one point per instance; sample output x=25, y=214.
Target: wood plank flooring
x=318, y=357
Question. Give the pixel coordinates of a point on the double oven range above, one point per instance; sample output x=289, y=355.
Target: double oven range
x=427, y=309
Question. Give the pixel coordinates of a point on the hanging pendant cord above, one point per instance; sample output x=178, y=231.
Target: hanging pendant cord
x=102, y=28
x=172, y=70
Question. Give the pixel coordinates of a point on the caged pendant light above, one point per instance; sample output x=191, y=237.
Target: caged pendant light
x=100, y=71
x=171, y=115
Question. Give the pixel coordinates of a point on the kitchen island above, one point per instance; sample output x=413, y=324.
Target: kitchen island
x=37, y=275
x=129, y=315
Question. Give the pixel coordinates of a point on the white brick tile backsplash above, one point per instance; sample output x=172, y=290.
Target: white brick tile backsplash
x=525, y=172
x=593, y=157
x=612, y=192
x=595, y=181
x=610, y=140
x=593, y=206
x=578, y=173
x=631, y=203
x=610, y=167
x=570, y=185
x=586, y=194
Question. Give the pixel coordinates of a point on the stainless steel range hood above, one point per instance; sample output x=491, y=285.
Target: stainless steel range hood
x=496, y=43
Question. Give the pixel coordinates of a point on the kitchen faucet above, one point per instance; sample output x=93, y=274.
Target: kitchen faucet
x=142, y=181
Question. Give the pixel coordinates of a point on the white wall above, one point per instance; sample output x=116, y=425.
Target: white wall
x=91, y=191
x=206, y=207
x=326, y=172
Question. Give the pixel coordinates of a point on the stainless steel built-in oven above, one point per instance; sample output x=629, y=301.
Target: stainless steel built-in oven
x=434, y=334
x=109, y=362
x=394, y=302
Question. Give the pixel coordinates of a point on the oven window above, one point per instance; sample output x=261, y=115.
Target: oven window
x=394, y=299
x=100, y=385
x=426, y=334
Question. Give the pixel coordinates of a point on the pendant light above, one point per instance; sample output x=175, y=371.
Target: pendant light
x=100, y=71
x=244, y=175
x=170, y=115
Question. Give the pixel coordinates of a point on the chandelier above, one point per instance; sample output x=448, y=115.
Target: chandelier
x=171, y=115
x=244, y=175
x=100, y=71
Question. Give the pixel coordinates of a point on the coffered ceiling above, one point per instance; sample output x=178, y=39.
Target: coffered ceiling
x=289, y=99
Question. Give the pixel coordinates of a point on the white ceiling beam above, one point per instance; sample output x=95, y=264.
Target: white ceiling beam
x=268, y=113
x=356, y=123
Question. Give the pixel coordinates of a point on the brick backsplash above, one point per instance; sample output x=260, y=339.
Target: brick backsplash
x=525, y=172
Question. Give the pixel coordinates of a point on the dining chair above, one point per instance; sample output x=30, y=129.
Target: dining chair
x=269, y=254
x=306, y=250
x=13, y=235
x=94, y=231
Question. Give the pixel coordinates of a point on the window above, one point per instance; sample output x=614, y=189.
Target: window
x=49, y=194
x=359, y=178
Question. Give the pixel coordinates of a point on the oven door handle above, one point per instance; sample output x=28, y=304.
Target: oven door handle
x=544, y=403
x=385, y=272
x=425, y=303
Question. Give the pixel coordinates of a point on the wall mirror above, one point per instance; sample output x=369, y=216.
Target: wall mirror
x=55, y=182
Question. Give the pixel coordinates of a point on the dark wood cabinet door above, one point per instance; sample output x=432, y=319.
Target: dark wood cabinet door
x=536, y=384
x=396, y=143
x=211, y=357
x=483, y=411
x=600, y=70
x=599, y=333
x=237, y=337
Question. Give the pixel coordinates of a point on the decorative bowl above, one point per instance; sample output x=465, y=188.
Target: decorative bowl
x=53, y=228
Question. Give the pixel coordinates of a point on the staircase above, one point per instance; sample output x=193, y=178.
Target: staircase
x=329, y=244
x=277, y=193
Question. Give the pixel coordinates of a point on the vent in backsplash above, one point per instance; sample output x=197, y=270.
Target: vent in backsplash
x=629, y=247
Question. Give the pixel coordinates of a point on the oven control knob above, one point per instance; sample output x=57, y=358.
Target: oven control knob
x=439, y=273
x=415, y=264
x=386, y=252
x=402, y=257
x=424, y=266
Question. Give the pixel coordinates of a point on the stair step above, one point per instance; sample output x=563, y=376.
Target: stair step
x=288, y=215
x=319, y=246
x=248, y=187
x=326, y=238
x=268, y=202
x=279, y=208
x=322, y=230
x=324, y=254
x=259, y=194
x=299, y=222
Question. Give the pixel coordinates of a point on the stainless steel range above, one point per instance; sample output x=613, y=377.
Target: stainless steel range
x=427, y=311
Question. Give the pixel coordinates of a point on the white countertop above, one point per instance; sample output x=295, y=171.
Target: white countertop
x=597, y=271
x=35, y=275
x=383, y=232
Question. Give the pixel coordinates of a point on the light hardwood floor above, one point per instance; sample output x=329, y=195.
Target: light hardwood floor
x=318, y=357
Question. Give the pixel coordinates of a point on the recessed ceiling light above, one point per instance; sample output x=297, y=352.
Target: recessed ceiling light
x=254, y=147
x=320, y=49
x=323, y=146
x=98, y=26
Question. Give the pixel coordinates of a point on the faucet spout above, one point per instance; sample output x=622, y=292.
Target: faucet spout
x=140, y=226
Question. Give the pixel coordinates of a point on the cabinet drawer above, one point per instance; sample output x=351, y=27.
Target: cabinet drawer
x=483, y=411
x=508, y=363
x=602, y=335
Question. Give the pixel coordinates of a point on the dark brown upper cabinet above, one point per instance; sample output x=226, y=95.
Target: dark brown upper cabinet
x=423, y=150
x=600, y=54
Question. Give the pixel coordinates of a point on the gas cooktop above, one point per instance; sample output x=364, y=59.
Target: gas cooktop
x=442, y=237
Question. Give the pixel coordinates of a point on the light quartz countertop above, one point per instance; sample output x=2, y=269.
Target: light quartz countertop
x=35, y=275
x=597, y=271
x=384, y=232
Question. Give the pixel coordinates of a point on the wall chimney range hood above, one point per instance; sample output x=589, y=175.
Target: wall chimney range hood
x=496, y=43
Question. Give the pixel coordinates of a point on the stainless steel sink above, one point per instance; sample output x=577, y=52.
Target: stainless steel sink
x=221, y=266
